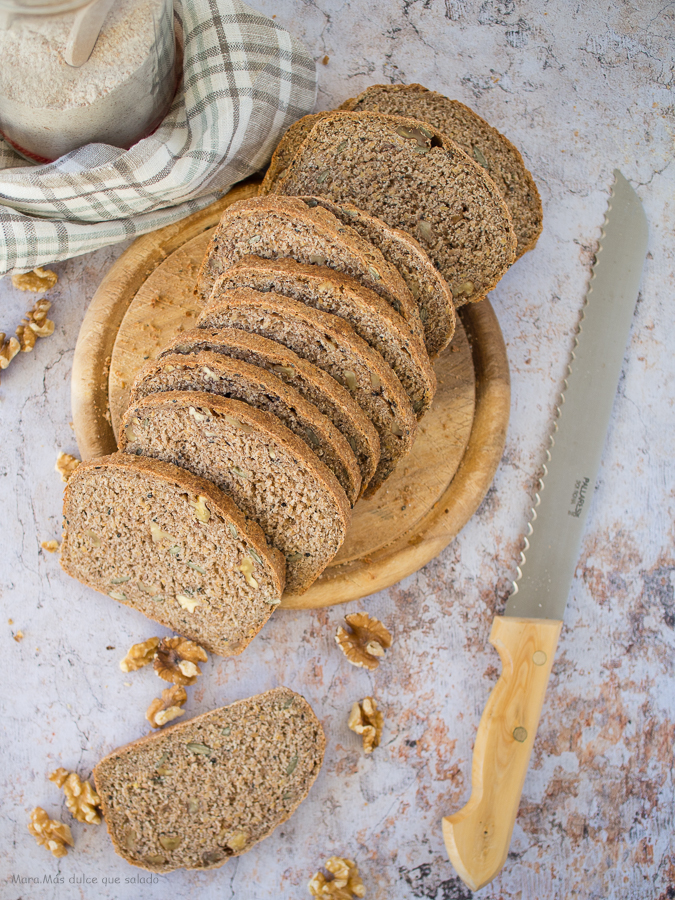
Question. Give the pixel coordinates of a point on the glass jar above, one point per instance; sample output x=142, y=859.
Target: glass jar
x=55, y=97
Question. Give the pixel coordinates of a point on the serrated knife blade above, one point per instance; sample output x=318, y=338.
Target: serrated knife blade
x=477, y=837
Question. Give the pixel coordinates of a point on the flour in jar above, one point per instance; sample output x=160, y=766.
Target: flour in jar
x=34, y=70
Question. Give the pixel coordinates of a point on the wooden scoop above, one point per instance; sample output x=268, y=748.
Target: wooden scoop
x=85, y=31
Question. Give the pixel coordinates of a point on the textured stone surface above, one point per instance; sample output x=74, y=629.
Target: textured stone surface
x=581, y=89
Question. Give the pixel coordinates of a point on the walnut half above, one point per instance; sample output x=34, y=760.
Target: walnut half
x=50, y=833
x=140, y=655
x=160, y=712
x=365, y=644
x=66, y=465
x=81, y=799
x=177, y=659
x=346, y=883
x=367, y=720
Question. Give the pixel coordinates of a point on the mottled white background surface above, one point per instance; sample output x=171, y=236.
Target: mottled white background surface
x=581, y=88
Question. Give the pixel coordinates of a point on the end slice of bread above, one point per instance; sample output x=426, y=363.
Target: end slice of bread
x=198, y=793
x=173, y=546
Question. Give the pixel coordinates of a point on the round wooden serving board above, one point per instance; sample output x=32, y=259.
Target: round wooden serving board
x=146, y=298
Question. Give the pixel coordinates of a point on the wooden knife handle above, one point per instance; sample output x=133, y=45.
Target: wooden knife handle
x=477, y=837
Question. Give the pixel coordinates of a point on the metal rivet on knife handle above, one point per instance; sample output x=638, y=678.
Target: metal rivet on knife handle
x=539, y=657
x=520, y=734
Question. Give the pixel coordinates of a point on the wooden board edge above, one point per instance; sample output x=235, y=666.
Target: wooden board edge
x=462, y=496
x=93, y=350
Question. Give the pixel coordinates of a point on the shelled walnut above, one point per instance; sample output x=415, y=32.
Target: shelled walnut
x=81, y=799
x=50, y=833
x=346, y=883
x=51, y=546
x=35, y=324
x=367, y=720
x=8, y=350
x=65, y=465
x=140, y=655
x=38, y=280
x=160, y=712
x=177, y=659
x=365, y=644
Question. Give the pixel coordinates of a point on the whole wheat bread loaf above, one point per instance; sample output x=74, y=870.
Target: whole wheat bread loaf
x=331, y=344
x=218, y=374
x=198, y=793
x=271, y=227
x=173, y=546
x=370, y=317
x=430, y=290
x=272, y=476
x=312, y=383
x=414, y=178
x=479, y=140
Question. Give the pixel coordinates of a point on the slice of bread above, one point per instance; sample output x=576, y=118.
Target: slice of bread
x=312, y=383
x=430, y=290
x=273, y=226
x=240, y=380
x=415, y=178
x=272, y=476
x=370, y=317
x=198, y=793
x=172, y=546
x=479, y=140
x=331, y=344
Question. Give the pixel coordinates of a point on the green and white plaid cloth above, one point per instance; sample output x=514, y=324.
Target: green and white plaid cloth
x=245, y=81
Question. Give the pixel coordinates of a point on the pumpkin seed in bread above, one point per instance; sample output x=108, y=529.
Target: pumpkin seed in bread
x=273, y=226
x=272, y=476
x=415, y=178
x=312, y=383
x=479, y=140
x=331, y=344
x=370, y=317
x=173, y=546
x=240, y=380
x=198, y=793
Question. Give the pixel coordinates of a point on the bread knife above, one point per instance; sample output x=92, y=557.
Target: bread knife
x=477, y=837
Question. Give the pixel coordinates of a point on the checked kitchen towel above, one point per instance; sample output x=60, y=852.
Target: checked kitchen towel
x=245, y=81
